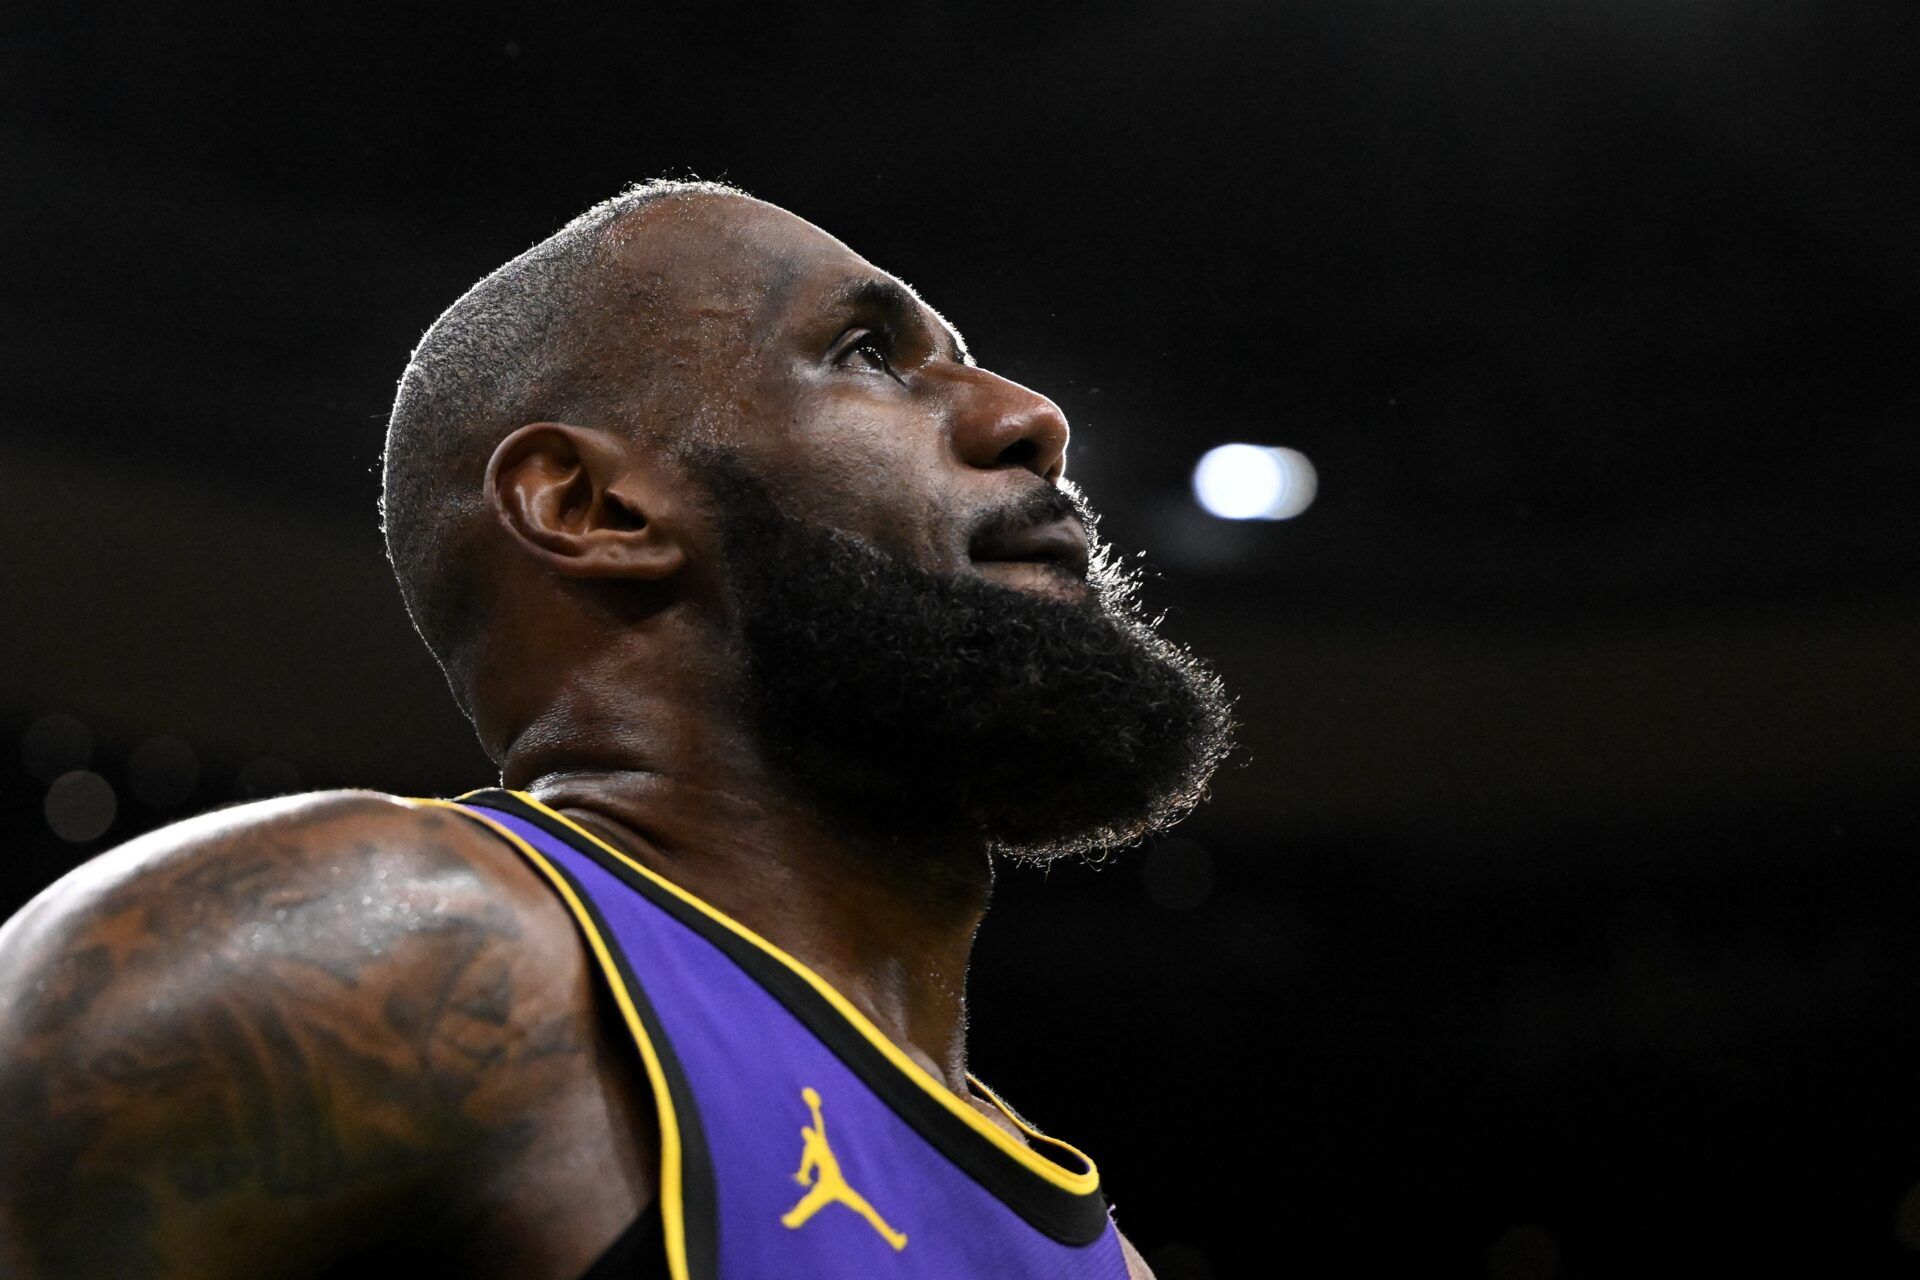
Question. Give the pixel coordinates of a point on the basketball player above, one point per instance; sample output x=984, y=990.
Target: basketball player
x=777, y=615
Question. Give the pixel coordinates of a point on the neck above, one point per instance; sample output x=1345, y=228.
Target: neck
x=888, y=919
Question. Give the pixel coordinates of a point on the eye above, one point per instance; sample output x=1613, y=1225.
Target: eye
x=872, y=348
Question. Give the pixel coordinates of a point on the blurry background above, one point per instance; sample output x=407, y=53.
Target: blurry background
x=1558, y=917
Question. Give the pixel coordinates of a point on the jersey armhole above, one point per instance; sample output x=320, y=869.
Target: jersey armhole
x=676, y=1120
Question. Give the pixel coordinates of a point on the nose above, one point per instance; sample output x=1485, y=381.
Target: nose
x=999, y=423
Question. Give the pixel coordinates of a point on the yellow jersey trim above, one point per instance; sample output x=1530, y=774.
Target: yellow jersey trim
x=1082, y=1183
x=1020, y=1122
x=672, y=1206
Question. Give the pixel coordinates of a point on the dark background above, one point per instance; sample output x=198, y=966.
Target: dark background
x=1557, y=918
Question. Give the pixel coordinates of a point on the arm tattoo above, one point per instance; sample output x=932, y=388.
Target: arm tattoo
x=271, y=1031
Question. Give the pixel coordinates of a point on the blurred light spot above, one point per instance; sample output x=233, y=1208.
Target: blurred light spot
x=1180, y=1262
x=1254, y=482
x=267, y=776
x=1906, y=1219
x=1524, y=1253
x=56, y=744
x=1178, y=875
x=80, y=806
x=163, y=771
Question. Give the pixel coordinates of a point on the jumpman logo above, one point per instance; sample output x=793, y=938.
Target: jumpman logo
x=821, y=1171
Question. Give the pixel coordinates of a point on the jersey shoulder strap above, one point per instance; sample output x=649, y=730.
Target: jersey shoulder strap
x=795, y=1138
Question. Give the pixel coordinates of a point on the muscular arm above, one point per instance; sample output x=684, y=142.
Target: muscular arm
x=264, y=1041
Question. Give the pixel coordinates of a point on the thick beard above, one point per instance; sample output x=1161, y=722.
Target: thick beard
x=908, y=701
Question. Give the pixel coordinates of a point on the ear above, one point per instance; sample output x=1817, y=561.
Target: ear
x=586, y=503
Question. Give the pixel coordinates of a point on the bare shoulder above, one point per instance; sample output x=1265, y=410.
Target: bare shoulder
x=233, y=1042
x=233, y=859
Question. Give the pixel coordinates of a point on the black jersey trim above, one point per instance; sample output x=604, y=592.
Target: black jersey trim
x=1068, y=1216
x=699, y=1198
x=639, y=1253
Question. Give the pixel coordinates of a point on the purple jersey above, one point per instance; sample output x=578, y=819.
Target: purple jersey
x=795, y=1139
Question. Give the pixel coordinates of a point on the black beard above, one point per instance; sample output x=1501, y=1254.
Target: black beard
x=907, y=701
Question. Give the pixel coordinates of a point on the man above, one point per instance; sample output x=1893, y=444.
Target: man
x=776, y=613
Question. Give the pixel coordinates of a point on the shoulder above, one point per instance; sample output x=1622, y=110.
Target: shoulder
x=293, y=836
x=303, y=876
x=228, y=1033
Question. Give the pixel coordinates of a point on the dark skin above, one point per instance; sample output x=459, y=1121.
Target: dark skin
x=307, y=1037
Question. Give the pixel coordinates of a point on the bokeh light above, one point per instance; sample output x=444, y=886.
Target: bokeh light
x=1906, y=1218
x=1525, y=1252
x=1254, y=482
x=80, y=806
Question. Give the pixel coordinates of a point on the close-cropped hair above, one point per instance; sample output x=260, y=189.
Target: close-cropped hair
x=517, y=347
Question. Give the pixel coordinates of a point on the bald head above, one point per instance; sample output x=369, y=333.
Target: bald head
x=532, y=341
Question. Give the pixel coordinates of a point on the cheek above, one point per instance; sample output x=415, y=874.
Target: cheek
x=855, y=466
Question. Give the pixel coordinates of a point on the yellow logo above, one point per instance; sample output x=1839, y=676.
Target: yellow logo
x=821, y=1171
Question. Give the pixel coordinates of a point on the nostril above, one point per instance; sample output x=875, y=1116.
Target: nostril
x=1018, y=454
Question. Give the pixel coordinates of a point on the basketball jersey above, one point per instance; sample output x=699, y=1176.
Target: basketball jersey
x=796, y=1140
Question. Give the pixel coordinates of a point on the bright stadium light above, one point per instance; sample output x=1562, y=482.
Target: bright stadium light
x=1254, y=482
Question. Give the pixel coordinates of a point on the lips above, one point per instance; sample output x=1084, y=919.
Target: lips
x=1058, y=543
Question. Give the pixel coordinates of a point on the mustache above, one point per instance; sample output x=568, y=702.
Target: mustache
x=1040, y=506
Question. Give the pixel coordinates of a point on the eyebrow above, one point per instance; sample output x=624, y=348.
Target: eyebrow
x=903, y=308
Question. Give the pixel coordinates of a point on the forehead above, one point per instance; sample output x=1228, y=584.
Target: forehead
x=715, y=255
